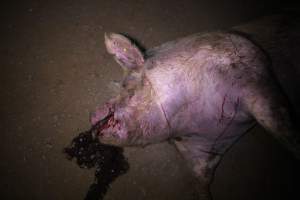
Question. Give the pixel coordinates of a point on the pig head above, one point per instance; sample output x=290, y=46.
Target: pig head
x=137, y=117
x=201, y=92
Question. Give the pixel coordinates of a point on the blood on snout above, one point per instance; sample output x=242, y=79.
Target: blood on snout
x=101, y=113
x=108, y=122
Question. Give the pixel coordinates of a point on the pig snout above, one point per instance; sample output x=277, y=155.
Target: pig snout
x=107, y=125
x=101, y=113
x=111, y=124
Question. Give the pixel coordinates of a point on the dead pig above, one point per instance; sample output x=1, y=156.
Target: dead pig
x=202, y=92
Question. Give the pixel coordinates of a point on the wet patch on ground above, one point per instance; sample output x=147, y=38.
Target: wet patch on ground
x=108, y=161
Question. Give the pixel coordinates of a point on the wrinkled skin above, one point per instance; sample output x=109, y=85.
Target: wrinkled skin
x=202, y=92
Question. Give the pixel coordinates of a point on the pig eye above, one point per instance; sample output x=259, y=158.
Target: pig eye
x=128, y=88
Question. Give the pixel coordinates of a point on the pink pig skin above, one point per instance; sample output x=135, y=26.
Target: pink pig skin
x=201, y=92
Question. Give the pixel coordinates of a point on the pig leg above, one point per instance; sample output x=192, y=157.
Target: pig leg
x=271, y=109
x=202, y=163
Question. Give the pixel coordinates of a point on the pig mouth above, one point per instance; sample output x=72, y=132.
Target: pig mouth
x=108, y=122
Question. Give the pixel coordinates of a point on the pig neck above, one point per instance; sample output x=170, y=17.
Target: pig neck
x=159, y=104
x=167, y=100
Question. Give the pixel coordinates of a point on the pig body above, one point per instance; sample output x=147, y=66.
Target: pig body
x=202, y=92
x=200, y=85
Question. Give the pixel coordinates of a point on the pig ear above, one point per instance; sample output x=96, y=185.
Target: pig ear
x=127, y=54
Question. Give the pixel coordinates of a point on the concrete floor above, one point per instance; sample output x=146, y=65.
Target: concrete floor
x=54, y=71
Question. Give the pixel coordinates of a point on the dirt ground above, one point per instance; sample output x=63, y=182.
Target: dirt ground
x=55, y=71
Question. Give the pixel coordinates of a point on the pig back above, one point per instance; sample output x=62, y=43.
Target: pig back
x=279, y=36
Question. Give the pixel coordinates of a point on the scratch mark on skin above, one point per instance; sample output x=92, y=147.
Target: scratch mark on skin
x=160, y=105
x=222, y=109
x=236, y=104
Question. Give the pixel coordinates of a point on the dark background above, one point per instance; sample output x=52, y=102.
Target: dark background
x=54, y=71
